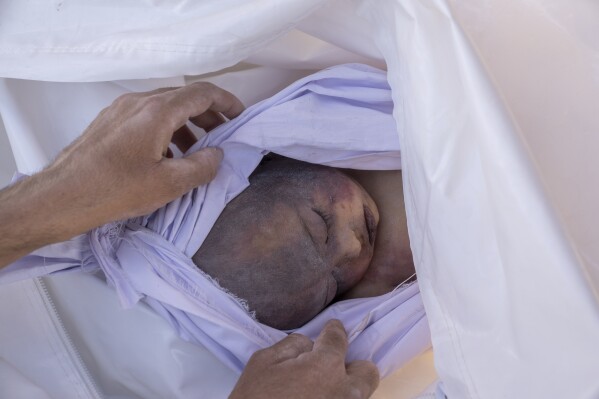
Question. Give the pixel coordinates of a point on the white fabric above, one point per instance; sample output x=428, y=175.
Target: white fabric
x=124, y=37
x=499, y=194
x=325, y=118
x=497, y=99
x=108, y=352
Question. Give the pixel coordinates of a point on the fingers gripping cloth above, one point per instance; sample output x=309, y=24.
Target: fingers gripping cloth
x=340, y=117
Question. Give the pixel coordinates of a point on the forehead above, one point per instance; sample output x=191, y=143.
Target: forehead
x=335, y=186
x=312, y=187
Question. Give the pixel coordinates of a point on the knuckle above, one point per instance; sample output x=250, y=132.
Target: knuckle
x=261, y=356
x=123, y=99
x=301, y=340
x=155, y=108
x=208, y=92
x=205, y=86
x=329, y=361
x=290, y=347
x=153, y=103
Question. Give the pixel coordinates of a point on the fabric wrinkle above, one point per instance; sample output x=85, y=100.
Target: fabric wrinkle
x=149, y=258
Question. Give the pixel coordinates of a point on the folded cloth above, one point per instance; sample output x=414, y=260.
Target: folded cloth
x=340, y=117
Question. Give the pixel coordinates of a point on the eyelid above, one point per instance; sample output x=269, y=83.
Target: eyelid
x=370, y=224
x=326, y=218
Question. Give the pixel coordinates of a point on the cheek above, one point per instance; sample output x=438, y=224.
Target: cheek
x=300, y=303
x=352, y=271
x=260, y=242
x=270, y=233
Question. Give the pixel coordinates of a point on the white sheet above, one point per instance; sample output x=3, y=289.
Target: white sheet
x=324, y=118
x=500, y=189
x=498, y=154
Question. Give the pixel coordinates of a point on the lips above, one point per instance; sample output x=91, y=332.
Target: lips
x=370, y=224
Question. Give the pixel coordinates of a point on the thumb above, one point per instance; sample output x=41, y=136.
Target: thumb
x=363, y=378
x=185, y=174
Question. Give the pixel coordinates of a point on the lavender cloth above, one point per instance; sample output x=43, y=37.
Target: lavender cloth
x=339, y=117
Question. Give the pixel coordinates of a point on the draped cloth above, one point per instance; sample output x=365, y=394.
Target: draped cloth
x=340, y=117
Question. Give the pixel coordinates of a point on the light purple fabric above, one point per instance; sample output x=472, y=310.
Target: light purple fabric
x=339, y=117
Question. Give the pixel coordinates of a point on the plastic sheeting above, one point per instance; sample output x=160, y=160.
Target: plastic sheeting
x=495, y=102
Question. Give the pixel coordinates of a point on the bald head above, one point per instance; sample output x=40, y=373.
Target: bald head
x=297, y=237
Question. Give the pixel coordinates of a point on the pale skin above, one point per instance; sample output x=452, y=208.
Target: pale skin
x=119, y=169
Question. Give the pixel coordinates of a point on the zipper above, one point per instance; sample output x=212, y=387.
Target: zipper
x=86, y=377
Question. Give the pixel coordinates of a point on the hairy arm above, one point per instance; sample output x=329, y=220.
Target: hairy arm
x=38, y=211
x=117, y=169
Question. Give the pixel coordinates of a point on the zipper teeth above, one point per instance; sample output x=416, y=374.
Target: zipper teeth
x=66, y=338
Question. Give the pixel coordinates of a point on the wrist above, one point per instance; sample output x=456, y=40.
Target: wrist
x=37, y=211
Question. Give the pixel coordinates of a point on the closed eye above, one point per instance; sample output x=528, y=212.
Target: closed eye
x=326, y=219
x=370, y=223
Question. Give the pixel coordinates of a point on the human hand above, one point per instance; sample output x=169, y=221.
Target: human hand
x=296, y=368
x=117, y=168
x=119, y=164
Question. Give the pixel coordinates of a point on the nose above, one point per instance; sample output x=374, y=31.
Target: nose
x=351, y=242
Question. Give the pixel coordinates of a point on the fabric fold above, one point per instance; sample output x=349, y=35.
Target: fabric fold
x=339, y=117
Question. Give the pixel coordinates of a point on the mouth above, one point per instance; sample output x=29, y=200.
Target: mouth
x=370, y=224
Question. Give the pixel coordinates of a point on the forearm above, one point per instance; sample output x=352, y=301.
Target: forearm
x=38, y=211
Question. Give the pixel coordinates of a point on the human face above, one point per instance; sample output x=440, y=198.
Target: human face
x=314, y=245
x=341, y=219
x=291, y=243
